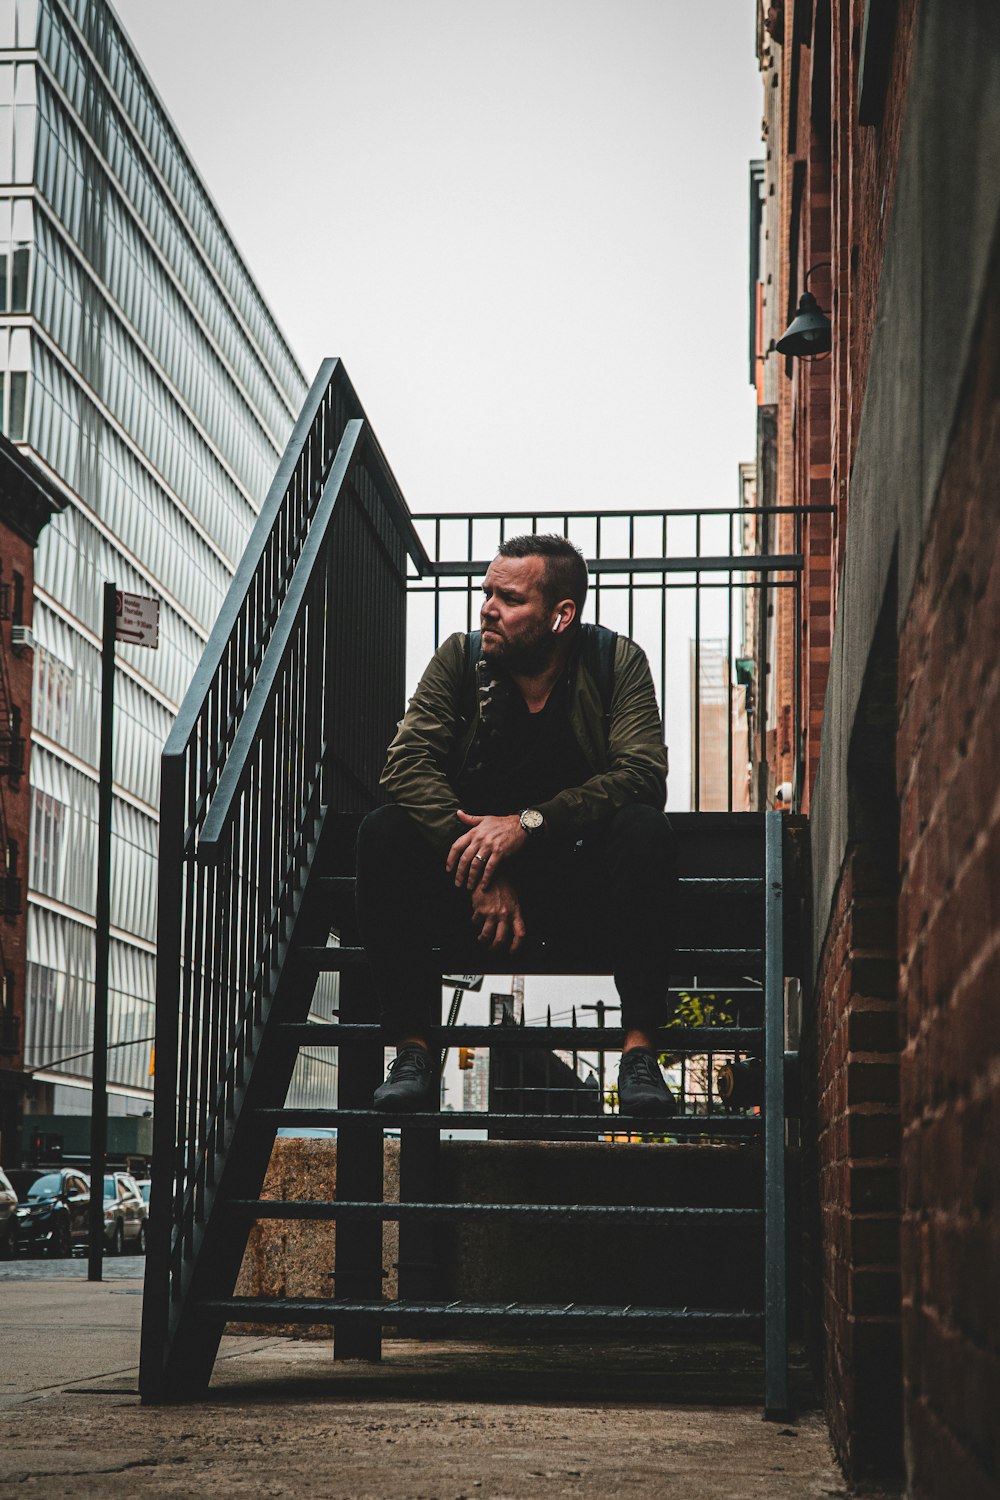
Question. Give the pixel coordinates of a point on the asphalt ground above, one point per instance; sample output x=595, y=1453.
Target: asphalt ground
x=40, y=1268
x=433, y=1421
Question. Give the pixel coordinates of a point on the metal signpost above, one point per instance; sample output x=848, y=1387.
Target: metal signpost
x=136, y=621
x=460, y=983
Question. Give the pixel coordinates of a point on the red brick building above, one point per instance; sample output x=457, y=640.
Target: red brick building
x=27, y=502
x=880, y=194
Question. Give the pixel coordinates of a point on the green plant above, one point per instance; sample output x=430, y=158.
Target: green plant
x=698, y=1010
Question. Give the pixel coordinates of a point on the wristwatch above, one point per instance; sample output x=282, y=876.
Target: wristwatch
x=532, y=821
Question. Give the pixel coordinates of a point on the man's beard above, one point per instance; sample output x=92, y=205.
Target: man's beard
x=527, y=656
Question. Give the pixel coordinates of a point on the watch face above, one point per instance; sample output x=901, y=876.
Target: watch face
x=531, y=819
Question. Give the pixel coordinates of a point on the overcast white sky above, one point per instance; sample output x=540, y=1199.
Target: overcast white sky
x=522, y=226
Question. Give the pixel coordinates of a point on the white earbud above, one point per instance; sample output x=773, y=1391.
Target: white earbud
x=555, y=624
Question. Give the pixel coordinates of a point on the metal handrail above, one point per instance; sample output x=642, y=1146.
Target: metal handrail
x=237, y=768
x=329, y=377
x=657, y=511
x=315, y=610
x=750, y=562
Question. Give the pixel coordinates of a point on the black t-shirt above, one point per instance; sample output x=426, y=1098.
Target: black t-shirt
x=521, y=758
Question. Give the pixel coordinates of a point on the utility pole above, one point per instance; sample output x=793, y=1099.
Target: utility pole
x=136, y=621
x=99, y=1076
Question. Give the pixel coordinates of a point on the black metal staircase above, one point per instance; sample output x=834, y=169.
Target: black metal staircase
x=274, y=757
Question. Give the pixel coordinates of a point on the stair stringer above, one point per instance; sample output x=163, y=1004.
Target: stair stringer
x=183, y=1369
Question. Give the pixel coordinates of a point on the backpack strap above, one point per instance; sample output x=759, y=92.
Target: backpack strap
x=598, y=653
x=473, y=651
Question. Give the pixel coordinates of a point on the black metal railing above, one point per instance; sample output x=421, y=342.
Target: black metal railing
x=289, y=713
x=288, y=718
x=688, y=585
x=558, y=1068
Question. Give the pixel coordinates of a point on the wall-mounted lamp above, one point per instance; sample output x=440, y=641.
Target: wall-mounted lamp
x=809, y=332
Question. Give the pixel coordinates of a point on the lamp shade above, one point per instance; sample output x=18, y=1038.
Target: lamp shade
x=809, y=331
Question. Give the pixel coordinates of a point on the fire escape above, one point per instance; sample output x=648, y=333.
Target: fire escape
x=273, y=759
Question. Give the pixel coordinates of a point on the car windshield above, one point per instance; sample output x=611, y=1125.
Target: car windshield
x=144, y=1190
x=46, y=1187
x=110, y=1191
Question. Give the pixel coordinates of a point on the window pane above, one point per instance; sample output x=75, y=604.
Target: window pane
x=19, y=265
x=18, y=397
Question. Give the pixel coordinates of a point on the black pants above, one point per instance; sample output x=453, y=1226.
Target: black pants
x=608, y=899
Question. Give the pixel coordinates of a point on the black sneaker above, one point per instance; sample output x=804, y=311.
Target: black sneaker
x=641, y=1086
x=411, y=1081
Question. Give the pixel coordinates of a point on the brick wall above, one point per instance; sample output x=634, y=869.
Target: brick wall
x=857, y=1152
x=837, y=184
x=18, y=562
x=948, y=768
x=864, y=176
x=873, y=152
x=918, y=1015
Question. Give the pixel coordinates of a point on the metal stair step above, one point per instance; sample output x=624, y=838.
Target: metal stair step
x=332, y=960
x=339, y=885
x=728, y=885
x=699, y=1039
x=720, y=1322
x=537, y=1213
x=722, y=885
x=609, y=1124
x=726, y=958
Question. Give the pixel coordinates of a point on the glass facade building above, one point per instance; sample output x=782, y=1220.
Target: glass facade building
x=144, y=373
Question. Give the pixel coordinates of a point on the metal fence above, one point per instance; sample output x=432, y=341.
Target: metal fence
x=687, y=585
x=538, y=1078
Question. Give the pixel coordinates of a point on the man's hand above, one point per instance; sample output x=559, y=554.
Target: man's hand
x=497, y=912
x=475, y=857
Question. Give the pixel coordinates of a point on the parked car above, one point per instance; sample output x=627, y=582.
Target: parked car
x=8, y=1218
x=52, y=1209
x=125, y=1215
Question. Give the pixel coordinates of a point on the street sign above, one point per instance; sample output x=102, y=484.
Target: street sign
x=462, y=981
x=137, y=620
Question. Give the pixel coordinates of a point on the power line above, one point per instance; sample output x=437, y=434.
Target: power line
x=136, y=1041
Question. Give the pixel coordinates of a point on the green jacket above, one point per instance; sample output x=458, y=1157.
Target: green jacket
x=627, y=759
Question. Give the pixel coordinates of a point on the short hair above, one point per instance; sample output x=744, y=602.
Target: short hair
x=565, y=570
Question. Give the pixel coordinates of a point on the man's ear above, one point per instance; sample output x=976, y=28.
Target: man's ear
x=563, y=616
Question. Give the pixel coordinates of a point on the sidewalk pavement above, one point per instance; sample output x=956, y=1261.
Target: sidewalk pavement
x=434, y=1421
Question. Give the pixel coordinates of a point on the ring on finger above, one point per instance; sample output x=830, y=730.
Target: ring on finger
x=480, y=857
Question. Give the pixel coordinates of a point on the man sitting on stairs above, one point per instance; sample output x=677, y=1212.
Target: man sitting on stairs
x=527, y=783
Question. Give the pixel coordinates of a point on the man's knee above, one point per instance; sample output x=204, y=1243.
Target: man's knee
x=388, y=843
x=382, y=831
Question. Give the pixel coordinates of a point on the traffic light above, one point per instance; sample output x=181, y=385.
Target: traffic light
x=466, y=1057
